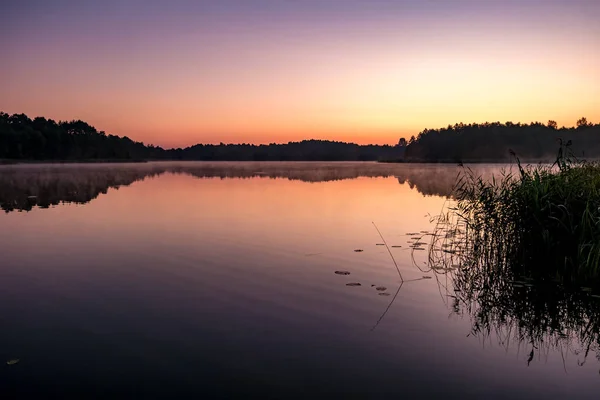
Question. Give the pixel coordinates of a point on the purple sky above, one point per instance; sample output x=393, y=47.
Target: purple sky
x=179, y=72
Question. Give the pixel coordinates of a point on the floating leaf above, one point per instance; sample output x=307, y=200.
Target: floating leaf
x=380, y=244
x=396, y=246
x=358, y=250
x=353, y=284
x=383, y=294
x=426, y=277
x=381, y=288
x=342, y=272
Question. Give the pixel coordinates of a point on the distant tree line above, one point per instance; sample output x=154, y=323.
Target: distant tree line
x=493, y=142
x=22, y=138
x=306, y=150
x=41, y=139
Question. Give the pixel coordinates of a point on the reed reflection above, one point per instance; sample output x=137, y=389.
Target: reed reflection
x=533, y=317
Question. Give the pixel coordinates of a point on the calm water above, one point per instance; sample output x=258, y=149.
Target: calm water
x=171, y=280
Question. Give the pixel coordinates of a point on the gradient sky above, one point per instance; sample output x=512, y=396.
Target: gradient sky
x=180, y=72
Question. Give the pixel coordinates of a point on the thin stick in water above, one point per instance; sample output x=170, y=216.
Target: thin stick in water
x=388, y=307
x=389, y=251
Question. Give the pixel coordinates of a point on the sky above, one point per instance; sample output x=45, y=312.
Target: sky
x=180, y=72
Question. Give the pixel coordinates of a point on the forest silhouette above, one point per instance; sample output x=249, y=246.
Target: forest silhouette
x=41, y=139
x=493, y=142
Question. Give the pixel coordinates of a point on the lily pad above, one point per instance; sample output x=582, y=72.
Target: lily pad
x=358, y=250
x=426, y=277
x=381, y=288
x=396, y=246
x=380, y=244
x=383, y=294
x=353, y=284
x=342, y=272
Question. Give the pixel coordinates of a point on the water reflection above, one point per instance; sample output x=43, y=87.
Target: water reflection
x=23, y=187
x=522, y=315
x=176, y=286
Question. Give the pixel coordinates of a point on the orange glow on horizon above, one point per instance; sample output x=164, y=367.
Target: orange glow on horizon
x=357, y=80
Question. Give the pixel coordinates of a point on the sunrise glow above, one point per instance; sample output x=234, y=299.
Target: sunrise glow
x=184, y=72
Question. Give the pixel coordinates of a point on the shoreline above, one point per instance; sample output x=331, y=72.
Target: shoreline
x=125, y=161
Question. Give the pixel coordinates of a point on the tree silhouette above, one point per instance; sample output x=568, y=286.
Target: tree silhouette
x=43, y=139
x=582, y=122
x=491, y=142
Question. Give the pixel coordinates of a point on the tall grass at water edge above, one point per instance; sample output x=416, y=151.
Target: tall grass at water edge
x=542, y=222
x=522, y=254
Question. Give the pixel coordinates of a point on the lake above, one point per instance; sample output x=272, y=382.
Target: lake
x=180, y=280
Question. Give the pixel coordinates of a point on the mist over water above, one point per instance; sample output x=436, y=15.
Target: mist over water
x=187, y=279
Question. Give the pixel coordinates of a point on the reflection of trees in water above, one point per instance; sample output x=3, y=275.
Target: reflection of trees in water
x=439, y=179
x=24, y=186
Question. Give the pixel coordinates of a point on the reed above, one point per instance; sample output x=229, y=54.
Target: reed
x=542, y=222
x=520, y=255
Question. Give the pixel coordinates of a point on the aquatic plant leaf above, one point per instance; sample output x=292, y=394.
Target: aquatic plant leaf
x=342, y=272
x=353, y=284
